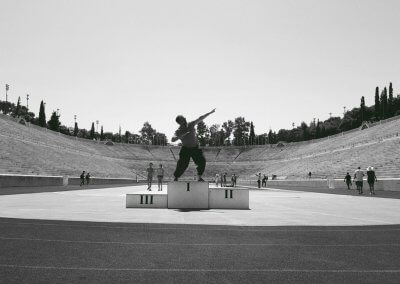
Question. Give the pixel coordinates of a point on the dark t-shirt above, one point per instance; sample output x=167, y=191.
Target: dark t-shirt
x=348, y=178
x=190, y=139
x=371, y=176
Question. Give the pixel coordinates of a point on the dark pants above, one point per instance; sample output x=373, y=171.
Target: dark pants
x=184, y=158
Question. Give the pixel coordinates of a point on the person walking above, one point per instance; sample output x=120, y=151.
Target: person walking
x=347, y=179
x=371, y=179
x=150, y=172
x=160, y=176
x=358, y=177
x=87, y=178
x=190, y=146
x=224, y=179
x=82, y=177
x=264, y=181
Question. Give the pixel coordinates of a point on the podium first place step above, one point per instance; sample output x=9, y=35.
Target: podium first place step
x=190, y=195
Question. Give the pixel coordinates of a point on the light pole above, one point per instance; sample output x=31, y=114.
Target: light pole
x=75, y=118
x=27, y=102
x=97, y=126
x=58, y=111
x=344, y=111
x=293, y=125
x=330, y=115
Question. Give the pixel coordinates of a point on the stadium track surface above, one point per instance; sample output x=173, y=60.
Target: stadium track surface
x=33, y=251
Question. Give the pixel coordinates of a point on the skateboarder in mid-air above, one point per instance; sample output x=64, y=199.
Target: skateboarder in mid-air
x=190, y=146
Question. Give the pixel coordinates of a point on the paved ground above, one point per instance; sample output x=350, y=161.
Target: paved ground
x=272, y=207
x=287, y=237
x=35, y=251
x=37, y=189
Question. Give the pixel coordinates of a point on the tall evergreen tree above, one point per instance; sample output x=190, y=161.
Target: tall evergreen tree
x=391, y=105
x=317, y=130
x=384, y=104
x=76, y=129
x=362, y=109
x=102, y=133
x=42, y=115
x=252, y=135
x=92, y=132
x=377, y=104
x=17, y=111
x=54, y=122
x=241, y=131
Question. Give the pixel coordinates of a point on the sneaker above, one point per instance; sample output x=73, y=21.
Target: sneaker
x=200, y=179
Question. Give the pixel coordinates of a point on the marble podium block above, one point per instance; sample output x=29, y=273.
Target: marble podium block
x=188, y=195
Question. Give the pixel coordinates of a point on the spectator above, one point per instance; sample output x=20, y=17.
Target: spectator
x=221, y=179
x=347, y=179
x=233, y=179
x=150, y=172
x=259, y=180
x=87, y=178
x=160, y=176
x=264, y=181
x=309, y=174
x=217, y=180
x=358, y=177
x=371, y=179
x=82, y=178
x=224, y=179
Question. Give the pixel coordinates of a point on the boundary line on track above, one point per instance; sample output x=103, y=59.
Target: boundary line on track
x=199, y=270
x=143, y=226
x=198, y=244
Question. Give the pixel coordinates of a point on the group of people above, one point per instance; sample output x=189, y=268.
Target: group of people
x=261, y=181
x=222, y=180
x=85, y=176
x=359, y=180
x=160, y=176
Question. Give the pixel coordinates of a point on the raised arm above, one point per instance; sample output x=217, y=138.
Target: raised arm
x=201, y=118
x=179, y=136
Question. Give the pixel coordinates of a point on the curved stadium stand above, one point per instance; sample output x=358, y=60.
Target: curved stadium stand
x=28, y=149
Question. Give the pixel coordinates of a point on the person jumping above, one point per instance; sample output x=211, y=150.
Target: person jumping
x=190, y=146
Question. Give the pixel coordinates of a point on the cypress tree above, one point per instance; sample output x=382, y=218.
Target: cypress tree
x=384, y=104
x=390, y=101
x=252, y=134
x=18, y=108
x=76, y=129
x=362, y=109
x=42, y=115
x=92, y=133
x=377, y=104
x=102, y=133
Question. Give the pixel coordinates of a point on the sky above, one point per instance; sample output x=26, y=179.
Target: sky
x=127, y=62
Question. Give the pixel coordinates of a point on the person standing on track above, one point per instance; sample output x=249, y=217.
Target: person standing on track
x=217, y=180
x=358, y=177
x=347, y=179
x=160, y=176
x=259, y=180
x=82, y=177
x=371, y=178
x=150, y=172
x=190, y=146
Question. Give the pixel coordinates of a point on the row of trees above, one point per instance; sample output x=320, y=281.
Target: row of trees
x=237, y=132
x=147, y=135
x=240, y=132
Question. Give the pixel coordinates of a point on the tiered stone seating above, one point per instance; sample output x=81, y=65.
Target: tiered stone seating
x=35, y=150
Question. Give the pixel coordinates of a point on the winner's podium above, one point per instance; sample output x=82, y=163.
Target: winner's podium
x=190, y=195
